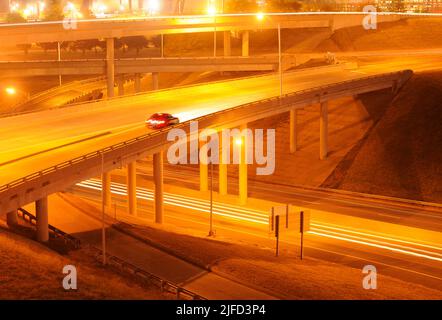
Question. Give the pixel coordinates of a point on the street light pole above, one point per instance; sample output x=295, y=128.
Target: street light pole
x=211, y=233
x=103, y=225
x=280, y=59
x=214, y=37
x=59, y=59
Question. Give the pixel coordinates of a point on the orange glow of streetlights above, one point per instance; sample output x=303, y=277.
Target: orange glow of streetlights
x=153, y=6
x=211, y=10
x=11, y=91
x=238, y=141
x=260, y=16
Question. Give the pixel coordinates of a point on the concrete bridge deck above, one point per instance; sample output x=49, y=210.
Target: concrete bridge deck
x=48, y=151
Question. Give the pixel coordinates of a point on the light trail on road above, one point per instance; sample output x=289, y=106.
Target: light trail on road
x=400, y=246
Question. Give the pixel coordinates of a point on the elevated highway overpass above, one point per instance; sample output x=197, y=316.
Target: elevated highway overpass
x=58, y=31
x=46, y=152
x=110, y=29
x=14, y=69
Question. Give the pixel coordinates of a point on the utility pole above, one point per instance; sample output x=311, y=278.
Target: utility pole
x=280, y=59
x=211, y=233
x=59, y=59
x=103, y=225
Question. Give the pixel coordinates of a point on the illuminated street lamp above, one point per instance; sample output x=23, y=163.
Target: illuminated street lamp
x=14, y=6
x=153, y=6
x=211, y=11
x=11, y=91
x=260, y=16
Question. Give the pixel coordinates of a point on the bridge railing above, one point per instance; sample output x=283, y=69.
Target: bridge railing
x=31, y=219
x=327, y=91
x=114, y=261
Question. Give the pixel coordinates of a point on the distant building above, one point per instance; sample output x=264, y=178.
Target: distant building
x=4, y=6
x=391, y=5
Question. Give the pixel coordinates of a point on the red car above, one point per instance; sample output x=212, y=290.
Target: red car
x=161, y=120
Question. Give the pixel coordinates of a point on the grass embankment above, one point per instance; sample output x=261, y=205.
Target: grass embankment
x=404, y=34
x=402, y=155
x=29, y=270
x=254, y=263
x=286, y=276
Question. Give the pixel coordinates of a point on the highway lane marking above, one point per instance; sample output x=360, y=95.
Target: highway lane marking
x=55, y=148
x=378, y=236
x=178, y=217
x=199, y=205
x=261, y=218
x=376, y=245
x=394, y=246
x=375, y=262
x=290, y=193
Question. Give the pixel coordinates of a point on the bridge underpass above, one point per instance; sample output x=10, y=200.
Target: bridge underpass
x=34, y=173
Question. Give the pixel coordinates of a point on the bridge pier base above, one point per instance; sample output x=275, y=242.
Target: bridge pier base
x=155, y=80
x=245, y=43
x=106, y=189
x=121, y=86
x=323, y=131
x=132, y=188
x=137, y=83
x=110, y=66
x=293, y=130
x=11, y=218
x=158, y=180
x=41, y=210
x=243, y=192
x=227, y=44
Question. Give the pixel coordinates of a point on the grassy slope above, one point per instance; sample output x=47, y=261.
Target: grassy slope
x=29, y=270
x=402, y=156
x=286, y=276
x=406, y=34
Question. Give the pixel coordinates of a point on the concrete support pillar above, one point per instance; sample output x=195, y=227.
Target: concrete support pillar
x=227, y=44
x=11, y=218
x=204, y=173
x=158, y=180
x=155, y=81
x=110, y=66
x=132, y=188
x=106, y=189
x=243, y=192
x=137, y=83
x=41, y=209
x=121, y=86
x=222, y=170
x=293, y=131
x=245, y=43
x=323, y=131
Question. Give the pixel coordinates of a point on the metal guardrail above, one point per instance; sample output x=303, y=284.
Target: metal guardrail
x=101, y=152
x=164, y=285
x=114, y=261
x=29, y=217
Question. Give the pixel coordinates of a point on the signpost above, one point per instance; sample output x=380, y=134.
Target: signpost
x=277, y=234
x=296, y=219
x=304, y=227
